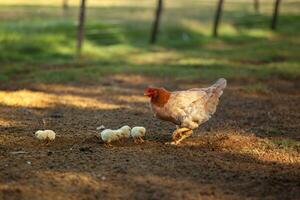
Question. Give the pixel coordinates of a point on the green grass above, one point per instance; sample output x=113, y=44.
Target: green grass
x=37, y=43
x=285, y=144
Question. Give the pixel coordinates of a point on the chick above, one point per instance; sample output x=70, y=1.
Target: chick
x=47, y=135
x=125, y=131
x=109, y=135
x=137, y=133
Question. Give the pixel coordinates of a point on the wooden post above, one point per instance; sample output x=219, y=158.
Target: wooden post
x=80, y=30
x=65, y=4
x=156, y=22
x=217, y=18
x=275, y=15
x=256, y=6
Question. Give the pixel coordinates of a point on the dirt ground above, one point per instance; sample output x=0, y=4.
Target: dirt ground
x=236, y=155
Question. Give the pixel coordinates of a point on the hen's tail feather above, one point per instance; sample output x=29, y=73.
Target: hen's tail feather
x=220, y=85
x=216, y=90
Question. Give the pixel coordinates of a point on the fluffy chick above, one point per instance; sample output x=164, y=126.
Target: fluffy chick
x=48, y=135
x=137, y=133
x=125, y=131
x=109, y=135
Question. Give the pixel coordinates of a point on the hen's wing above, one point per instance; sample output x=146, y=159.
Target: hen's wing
x=176, y=108
x=200, y=110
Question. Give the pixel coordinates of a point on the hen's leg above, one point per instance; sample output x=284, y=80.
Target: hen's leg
x=183, y=136
x=179, y=135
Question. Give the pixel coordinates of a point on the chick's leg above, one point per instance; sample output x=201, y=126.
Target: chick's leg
x=138, y=140
x=47, y=142
x=108, y=144
x=141, y=139
x=135, y=140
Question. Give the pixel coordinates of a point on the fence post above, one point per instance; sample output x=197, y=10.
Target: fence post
x=156, y=21
x=217, y=18
x=80, y=30
x=65, y=4
x=256, y=6
x=275, y=15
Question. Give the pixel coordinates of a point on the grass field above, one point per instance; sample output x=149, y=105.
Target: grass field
x=250, y=149
x=33, y=36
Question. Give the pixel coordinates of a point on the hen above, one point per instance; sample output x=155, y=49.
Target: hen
x=187, y=109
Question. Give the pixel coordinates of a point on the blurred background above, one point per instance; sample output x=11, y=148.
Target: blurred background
x=38, y=40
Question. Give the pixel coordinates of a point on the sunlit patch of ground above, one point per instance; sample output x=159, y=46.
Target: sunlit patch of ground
x=33, y=99
x=7, y=122
x=248, y=144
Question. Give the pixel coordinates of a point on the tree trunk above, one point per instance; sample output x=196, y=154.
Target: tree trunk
x=217, y=18
x=256, y=6
x=156, y=21
x=80, y=30
x=275, y=15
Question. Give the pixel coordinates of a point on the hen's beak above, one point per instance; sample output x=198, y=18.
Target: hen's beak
x=147, y=94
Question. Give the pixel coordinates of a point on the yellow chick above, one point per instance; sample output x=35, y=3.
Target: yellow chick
x=137, y=133
x=48, y=135
x=109, y=135
x=125, y=131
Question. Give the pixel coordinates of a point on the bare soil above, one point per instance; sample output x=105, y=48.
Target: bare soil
x=233, y=156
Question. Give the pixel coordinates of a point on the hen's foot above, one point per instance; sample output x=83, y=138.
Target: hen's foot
x=179, y=135
x=183, y=136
